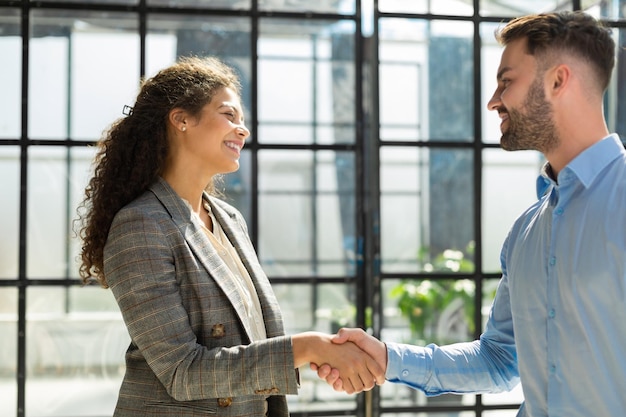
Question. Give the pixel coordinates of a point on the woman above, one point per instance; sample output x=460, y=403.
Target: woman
x=206, y=329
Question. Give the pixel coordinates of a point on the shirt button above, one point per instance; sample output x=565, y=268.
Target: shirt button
x=552, y=369
x=552, y=313
x=405, y=373
x=559, y=211
x=552, y=261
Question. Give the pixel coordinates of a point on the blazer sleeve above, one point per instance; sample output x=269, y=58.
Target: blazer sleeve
x=141, y=271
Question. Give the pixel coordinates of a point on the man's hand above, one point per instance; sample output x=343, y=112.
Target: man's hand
x=369, y=344
x=358, y=370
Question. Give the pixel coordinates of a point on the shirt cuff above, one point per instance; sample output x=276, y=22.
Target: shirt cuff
x=406, y=364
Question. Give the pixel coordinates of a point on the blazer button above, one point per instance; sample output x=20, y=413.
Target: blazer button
x=218, y=331
x=224, y=402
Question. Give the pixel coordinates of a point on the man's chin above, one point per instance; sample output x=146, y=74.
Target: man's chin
x=504, y=141
x=508, y=143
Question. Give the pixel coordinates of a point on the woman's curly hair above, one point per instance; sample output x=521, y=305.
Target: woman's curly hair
x=132, y=152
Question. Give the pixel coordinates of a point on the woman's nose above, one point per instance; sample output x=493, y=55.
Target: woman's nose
x=243, y=131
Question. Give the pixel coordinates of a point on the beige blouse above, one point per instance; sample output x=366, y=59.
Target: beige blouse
x=239, y=273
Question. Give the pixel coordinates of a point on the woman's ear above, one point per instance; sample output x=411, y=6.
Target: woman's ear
x=178, y=119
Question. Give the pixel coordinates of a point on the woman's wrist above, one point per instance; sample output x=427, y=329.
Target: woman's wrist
x=306, y=347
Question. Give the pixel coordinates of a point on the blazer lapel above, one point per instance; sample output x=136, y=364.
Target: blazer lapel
x=202, y=248
x=240, y=240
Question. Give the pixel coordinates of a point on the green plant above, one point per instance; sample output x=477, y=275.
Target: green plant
x=345, y=317
x=439, y=310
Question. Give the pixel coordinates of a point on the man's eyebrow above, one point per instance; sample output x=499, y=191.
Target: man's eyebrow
x=502, y=71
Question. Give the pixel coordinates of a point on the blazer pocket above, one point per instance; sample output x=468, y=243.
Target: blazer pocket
x=182, y=407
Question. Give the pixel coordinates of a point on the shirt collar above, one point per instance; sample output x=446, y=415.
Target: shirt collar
x=544, y=180
x=586, y=166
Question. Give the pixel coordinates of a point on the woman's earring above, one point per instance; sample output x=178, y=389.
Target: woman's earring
x=184, y=128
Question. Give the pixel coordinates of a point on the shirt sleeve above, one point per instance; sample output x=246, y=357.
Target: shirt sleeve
x=461, y=368
x=487, y=365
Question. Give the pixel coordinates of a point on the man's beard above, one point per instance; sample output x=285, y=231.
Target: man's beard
x=532, y=127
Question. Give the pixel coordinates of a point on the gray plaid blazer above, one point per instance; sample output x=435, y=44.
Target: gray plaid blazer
x=190, y=352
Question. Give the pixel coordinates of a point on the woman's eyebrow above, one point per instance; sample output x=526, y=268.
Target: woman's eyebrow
x=234, y=107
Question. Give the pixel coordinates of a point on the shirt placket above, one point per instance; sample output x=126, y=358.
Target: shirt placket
x=553, y=310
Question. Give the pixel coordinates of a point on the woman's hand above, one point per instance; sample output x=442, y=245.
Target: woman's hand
x=369, y=344
x=358, y=370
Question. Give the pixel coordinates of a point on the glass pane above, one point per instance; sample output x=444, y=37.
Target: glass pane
x=75, y=352
x=306, y=212
x=491, y=52
x=437, y=311
x=324, y=308
x=446, y=7
x=335, y=219
x=237, y=188
x=10, y=74
x=503, y=413
x=421, y=312
x=516, y=8
x=112, y=2
x=489, y=292
x=401, y=112
x=403, y=210
x=80, y=172
x=49, y=212
x=403, y=54
x=306, y=82
x=8, y=351
x=426, y=207
x=609, y=9
x=205, y=4
x=318, y=6
x=298, y=307
x=9, y=210
x=335, y=213
x=84, y=67
x=426, y=87
x=90, y=299
x=509, y=180
x=172, y=36
x=286, y=200
x=450, y=400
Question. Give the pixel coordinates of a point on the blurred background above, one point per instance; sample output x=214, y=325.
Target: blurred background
x=373, y=184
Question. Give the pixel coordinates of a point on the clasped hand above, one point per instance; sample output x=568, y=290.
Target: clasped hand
x=362, y=366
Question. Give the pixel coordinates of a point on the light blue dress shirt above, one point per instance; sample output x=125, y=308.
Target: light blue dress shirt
x=558, y=321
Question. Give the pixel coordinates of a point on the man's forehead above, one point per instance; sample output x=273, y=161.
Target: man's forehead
x=514, y=55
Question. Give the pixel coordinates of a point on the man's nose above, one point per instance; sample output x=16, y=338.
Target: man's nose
x=494, y=103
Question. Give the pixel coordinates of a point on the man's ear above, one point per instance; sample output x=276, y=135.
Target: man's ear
x=558, y=79
x=178, y=118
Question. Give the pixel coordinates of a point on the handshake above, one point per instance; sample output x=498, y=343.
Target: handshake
x=350, y=361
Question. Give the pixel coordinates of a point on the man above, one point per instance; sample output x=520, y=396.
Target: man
x=558, y=321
